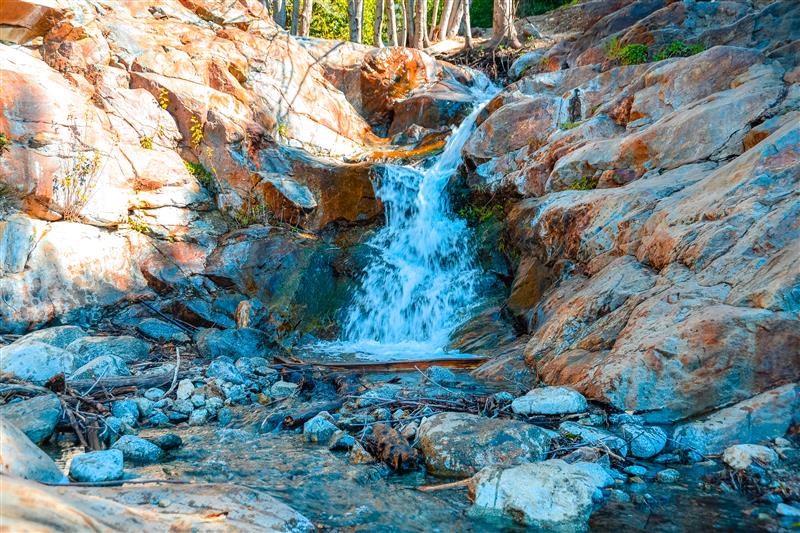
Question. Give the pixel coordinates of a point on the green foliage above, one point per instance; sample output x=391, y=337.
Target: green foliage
x=146, y=142
x=196, y=130
x=283, y=129
x=475, y=215
x=586, y=183
x=480, y=13
x=4, y=142
x=570, y=125
x=201, y=174
x=74, y=185
x=139, y=225
x=527, y=8
x=631, y=54
x=251, y=213
x=329, y=19
x=163, y=98
x=679, y=49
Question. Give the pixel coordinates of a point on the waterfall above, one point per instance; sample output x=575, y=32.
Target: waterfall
x=421, y=283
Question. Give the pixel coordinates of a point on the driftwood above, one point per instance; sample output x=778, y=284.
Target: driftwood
x=464, y=483
x=141, y=381
x=388, y=445
x=397, y=366
x=294, y=419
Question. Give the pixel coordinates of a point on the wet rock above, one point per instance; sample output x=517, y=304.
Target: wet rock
x=37, y=417
x=138, y=450
x=154, y=394
x=319, y=429
x=787, y=510
x=105, y=465
x=198, y=417
x=551, y=495
x=105, y=366
x=225, y=370
x=460, y=444
x=283, y=389
x=168, y=441
x=35, y=361
x=667, y=458
x=387, y=391
x=741, y=456
x=442, y=375
x=126, y=410
x=58, y=336
x=618, y=496
x=22, y=458
x=644, y=441
x=763, y=417
x=635, y=470
x=593, y=436
x=668, y=475
x=161, y=331
x=341, y=440
x=129, y=349
x=185, y=389
x=233, y=343
x=550, y=401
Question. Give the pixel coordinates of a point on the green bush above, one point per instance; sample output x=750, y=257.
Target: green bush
x=631, y=54
x=586, y=183
x=201, y=174
x=679, y=49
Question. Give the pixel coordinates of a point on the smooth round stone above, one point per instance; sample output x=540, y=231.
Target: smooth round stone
x=645, y=441
x=550, y=401
x=105, y=465
x=669, y=475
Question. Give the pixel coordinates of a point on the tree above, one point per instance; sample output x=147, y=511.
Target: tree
x=305, y=18
x=377, y=35
x=444, y=22
x=279, y=12
x=503, y=30
x=295, y=16
x=467, y=26
x=455, y=19
x=391, y=14
x=433, y=35
x=421, y=25
x=355, y=12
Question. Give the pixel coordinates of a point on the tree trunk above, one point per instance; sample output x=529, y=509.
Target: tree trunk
x=391, y=14
x=503, y=31
x=445, y=20
x=420, y=25
x=295, y=15
x=377, y=37
x=409, y=7
x=468, y=45
x=434, y=35
x=455, y=19
x=305, y=18
x=279, y=12
x=355, y=10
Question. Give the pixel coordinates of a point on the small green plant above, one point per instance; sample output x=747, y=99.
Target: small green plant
x=146, y=142
x=139, y=225
x=201, y=174
x=586, y=183
x=251, y=213
x=283, y=129
x=9, y=198
x=196, y=130
x=480, y=214
x=679, y=49
x=570, y=125
x=4, y=142
x=74, y=185
x=163, y=98
x=630, y=54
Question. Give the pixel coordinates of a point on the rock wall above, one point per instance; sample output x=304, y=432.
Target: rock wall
x=654, y=206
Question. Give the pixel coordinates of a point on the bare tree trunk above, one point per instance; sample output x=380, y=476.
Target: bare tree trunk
x=468, y=45
x=444, y=22
x=503, y=30
x=456, y=19
x=433, y=35
x=305, y=18
x=355, y=10
x=377, y=37
x=295, y=15
x=279, y=12
x=391, y=14
x=409, y=6
x=420, y=32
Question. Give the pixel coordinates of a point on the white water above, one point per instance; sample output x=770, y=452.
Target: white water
x=421, y=283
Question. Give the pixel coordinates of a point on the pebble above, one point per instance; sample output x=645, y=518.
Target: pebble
x=550, y=401
x=341, y=440
x=442, y=376
x=214, y=404
x=164, y=403
x=788, y=510
x=185, y=389
x=175, y=417
x=319, y=429
x=183, y=406
x=225, y=370
x=283, y=389
x=669, y=475
x=126, y=410
x=154, y=394
x=159, y=419
x=198, y=417
x=168, y=441
x=145, y=406
x=138, y=450
x=236, y=393
x=740, y=456
x=105, y=465
x=635, y=470
x=198, y=400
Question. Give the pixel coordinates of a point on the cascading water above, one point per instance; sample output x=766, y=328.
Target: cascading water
x=422, y=282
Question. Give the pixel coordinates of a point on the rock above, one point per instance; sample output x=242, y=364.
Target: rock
x=233, y=343
x=105, y=366
x=618, y=496
x=283, y=389
x=341, y=440
x=168, y=441
x=551, y=495
x=37, y=417
x=137, y=450
x=224, y=416
x=528, y=62
x=225, y=370
x=593, y=436
x=668, y=475
x=198, y=400
x=198, y=417
x=183, y=406
x=236, y=393
x=58, y=336
x=635, y=470
x=550, y=401
x=762, y=417
x=129, y=349
x=126, y=410
x=20, y=457
x=154, y=394
x=114, y=428
x=159, y=419
x=787, y=510
x=358, y=455
x=35, y=361
x=386, y=391
x=214, y=404
x=644, y=441
x=97, y=466
x=625, y=418
x=161, y=331
x=503, y=397
x=586, y=455
x=185, y=389
x=741, y=456
x=145, y=407
x=666, y=458
x=442, y=375
x=319, y=429
x=460, y=444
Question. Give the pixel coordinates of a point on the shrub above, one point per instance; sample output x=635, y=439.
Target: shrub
x=196, y=130
x=569, y=125
x=146, y=142
x=139, y=225
x=586, y=183
x=631, y=54
x=4, y=142
x=679, y=49
x=163, y=98
x=75, y=184
x=201, y=174
x=251, y=213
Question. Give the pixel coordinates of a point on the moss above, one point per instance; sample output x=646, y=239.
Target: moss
x=201, y=174
x=475, y=215
x=570, y=125
x=146, y=142
x=139, y=225
x=4, y=142
x=679, y=49
x=586, y=183
x=630, y=54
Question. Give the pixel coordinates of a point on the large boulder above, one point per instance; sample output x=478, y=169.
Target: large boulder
x=36, y=362
x=19, y=457
x=37, y=417
x=460, y=444
x=127, y=348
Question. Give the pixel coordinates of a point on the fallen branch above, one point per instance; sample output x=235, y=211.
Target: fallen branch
x=445, y=486
x=177, y=368
x=397, y=366
x=118, y=483
x=141, y=381
x=290, y=420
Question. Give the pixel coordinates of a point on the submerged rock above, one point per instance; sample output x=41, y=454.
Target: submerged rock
x=644, y=441
x=103, y=465
x=669, y=475
x=550, y=401
x=551, y=495
x=37, y=417
x=460, y=444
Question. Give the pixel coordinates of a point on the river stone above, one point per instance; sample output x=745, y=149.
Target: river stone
x=387, y=391
x=225, y=370
x=283, y=389
x=168, y=441
x=787, y=510
x=145, y=406
x=161, y=331
x=594, y=436
x=58, y=336
x=137, y=450
x=105, y=366
x=126, y=410
x=763, y=417
x=740, y=456
x=154, y=394
x=460, y=444
x=105, y=465
x=127, y=348
x=550, y=496
x=319, y=429
x=644, y=441
x=185, y=389
x=35, y=361
x=234, y=343
x=635, y=470
x=198, y=417
x=442, y=376
x=668, y=475
x=22, y=458
x=550, y=401
x=37, y=417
